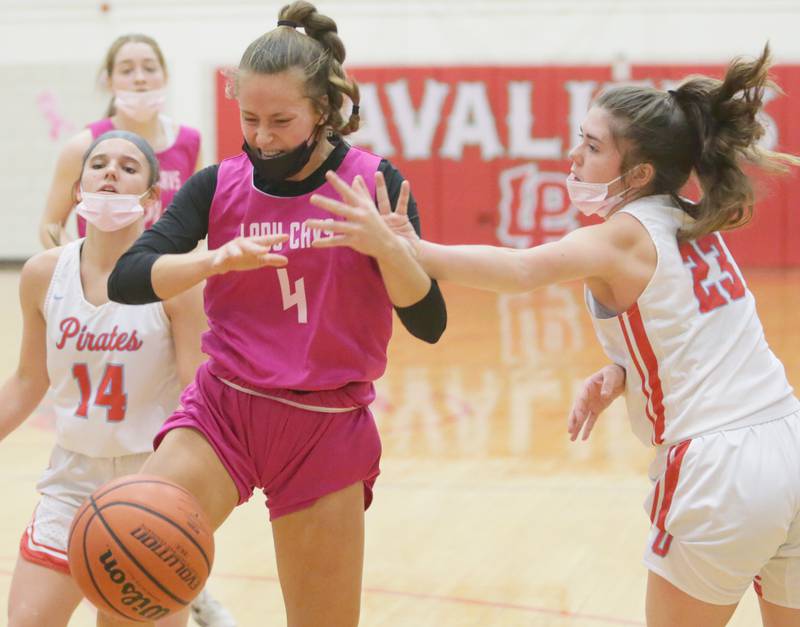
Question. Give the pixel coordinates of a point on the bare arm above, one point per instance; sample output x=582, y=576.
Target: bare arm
x=599, y=251
x=24, y=390
x=60, y=197
x=173, y=274
x=188, y=321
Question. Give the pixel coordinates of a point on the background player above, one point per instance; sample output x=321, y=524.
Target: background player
x=283, y=403
x=669, y=305
x=114, y=372
x=136, y=74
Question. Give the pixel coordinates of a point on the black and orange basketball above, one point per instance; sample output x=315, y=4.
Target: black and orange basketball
x=140, y=548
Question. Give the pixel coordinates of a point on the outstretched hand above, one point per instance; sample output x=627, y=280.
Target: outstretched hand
x=248, y=253
x=370, y=230
x=397, y=220
x=595, y=396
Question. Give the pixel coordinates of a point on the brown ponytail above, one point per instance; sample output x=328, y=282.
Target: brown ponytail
x=319, y=53
x=707, y=127
x=724, y=117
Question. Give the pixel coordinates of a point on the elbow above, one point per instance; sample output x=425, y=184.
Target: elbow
x=427, y=319
x=112, y=285
x=433, y=333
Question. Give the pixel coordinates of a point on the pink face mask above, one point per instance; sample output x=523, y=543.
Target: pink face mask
x=592, y=198
x=110, y=212
x=140, y=105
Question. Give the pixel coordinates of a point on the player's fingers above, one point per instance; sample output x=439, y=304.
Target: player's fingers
x=269, y=240
x=332, y=242
x=330, y=226
x=574, y=423
x=276, y=261
x=587, y=428
x=403, y=198
x=360, y=186
x=382, y=194
x=345, y=191
x=326, y=224
x=333, y=206
x=249, y=247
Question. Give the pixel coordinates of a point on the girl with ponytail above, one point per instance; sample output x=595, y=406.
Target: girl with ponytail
x=298, y=334
x=135, y=72
x=674, y=315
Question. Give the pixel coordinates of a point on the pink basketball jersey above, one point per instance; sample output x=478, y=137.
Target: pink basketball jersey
x=177, y=164
x=321, y=323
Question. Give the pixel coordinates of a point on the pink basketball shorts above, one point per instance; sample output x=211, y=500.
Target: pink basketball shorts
x=296, y=452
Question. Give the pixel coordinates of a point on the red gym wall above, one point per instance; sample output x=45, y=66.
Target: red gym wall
x=485, y=149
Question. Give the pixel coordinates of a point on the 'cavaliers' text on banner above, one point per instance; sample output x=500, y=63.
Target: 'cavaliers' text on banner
x=485, y=149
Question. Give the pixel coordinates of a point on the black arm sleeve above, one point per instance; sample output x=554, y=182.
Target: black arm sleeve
x=427, y=318
x=180, y=228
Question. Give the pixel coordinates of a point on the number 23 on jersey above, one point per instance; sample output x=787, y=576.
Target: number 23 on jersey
x=712, y=293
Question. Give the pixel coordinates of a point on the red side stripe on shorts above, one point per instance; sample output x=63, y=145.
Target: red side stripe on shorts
x=674, y=459
x=655, y=397
x=757, y=586
x=654, y=507
x=39, y=557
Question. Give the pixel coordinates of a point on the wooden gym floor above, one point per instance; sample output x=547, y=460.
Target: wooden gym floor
x=485, y=514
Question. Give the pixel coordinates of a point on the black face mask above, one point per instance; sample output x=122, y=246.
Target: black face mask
x=277, y=169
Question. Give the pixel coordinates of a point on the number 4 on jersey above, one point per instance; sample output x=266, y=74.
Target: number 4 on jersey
x=296, y=298
x=709, y=293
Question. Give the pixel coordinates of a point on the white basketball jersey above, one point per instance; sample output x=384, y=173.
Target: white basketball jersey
x=692, y=345
x=112, y=368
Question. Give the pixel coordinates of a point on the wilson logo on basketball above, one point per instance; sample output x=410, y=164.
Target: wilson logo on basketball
x=131, y=596
x=168, y=555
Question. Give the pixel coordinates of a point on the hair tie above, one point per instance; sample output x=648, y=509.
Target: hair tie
x=291, y=23
x=672, y=93
x=354, y=110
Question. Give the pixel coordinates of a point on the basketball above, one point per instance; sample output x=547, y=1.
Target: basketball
x=140, y=548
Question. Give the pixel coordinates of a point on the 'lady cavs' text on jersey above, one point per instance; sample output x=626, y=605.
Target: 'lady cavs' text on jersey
x=323, y=322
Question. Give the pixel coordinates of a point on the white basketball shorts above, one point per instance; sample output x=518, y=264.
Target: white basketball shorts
x=69, y=479
x=725, y=512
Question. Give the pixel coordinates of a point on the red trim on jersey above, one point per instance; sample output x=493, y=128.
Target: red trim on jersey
x=638, y=367
x=674, y=459
x=656, y=396
x=757, y=586
x=40, y=557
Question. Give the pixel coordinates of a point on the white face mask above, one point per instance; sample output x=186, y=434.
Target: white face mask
x=140, y=105
x=110, y=212
x=592, y=198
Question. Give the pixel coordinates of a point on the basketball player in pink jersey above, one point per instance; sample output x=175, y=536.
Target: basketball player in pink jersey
x=136, y=74
x=297, y=336
x=673, y=312
x=113, y=371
